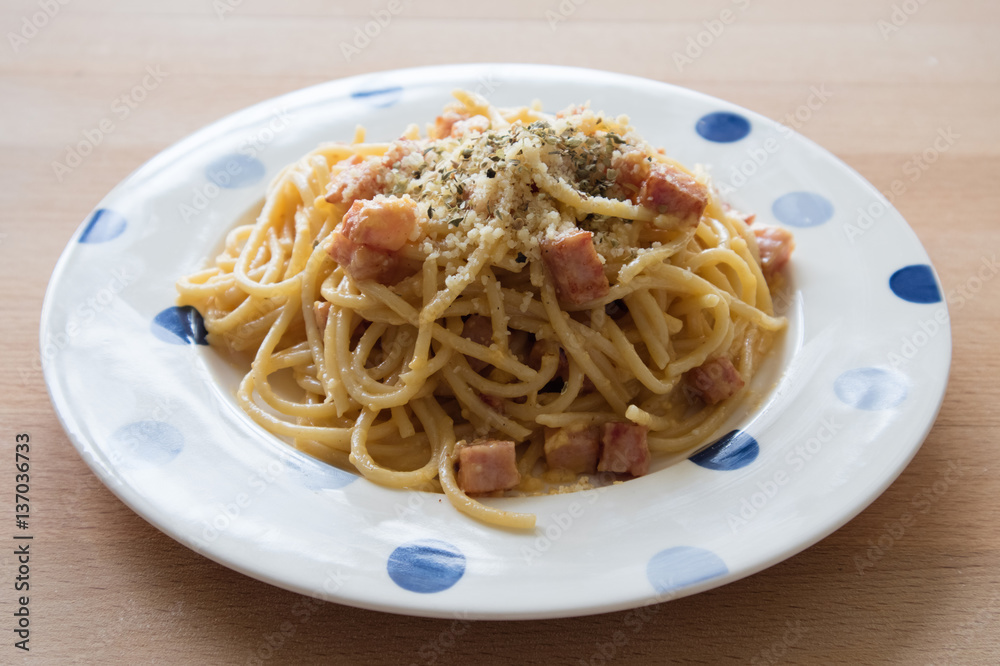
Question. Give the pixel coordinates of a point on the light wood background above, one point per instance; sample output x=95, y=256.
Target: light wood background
x=106, y=586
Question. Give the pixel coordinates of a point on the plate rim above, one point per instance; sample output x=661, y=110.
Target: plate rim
x=135, y=501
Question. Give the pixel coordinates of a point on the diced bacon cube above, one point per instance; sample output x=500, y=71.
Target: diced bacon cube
x=367, y=242
x=487, y=465
x=573, y=448
x=444, y=123
x=362, y=262
x=321, y=313
x=714, y=380
x=775, y=245
x=668, y=190
x=384, y=223
x=478, y=329
x=632, y=168
x=359, y=179
x=624, y=449
x=576, y=267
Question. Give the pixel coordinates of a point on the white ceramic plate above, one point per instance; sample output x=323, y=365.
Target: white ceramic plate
x=853, y=390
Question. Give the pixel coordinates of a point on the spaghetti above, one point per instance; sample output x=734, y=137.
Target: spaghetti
x=507, y=306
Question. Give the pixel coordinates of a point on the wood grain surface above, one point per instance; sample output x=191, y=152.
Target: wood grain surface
x=108, y=587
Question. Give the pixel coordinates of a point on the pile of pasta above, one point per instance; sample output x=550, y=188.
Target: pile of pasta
x=510, y=303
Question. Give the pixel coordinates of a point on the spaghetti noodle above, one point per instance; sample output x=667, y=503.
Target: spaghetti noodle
x=511, y=304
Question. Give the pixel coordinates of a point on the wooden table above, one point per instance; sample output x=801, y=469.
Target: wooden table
x=107, y=586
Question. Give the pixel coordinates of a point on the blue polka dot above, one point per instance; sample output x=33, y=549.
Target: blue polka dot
x=380, y=99
x=426, y=566
x=316, y=475
x=103, y=226
x=682, y=566
x=732, y=451
x=871, y=388
x=723, y=127
x=153, y=442
x=234, y=171
x=915, y=284
x=180, y=325
x=802, y=209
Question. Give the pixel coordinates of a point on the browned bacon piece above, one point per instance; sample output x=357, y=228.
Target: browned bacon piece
x=714, y=380
x=576, y=267
x=668, y=190
x=624, y=449
x=368, y=240
x=362, y=262
x=487, y=465
x=444, y=123
x=632, y=169
x=384, y=222
x=775, y=245
x=573, y=448
x=360, y=179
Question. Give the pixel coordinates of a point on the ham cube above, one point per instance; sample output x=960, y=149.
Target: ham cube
x=668, y=190
x=444, y=123
x=775, y=245
x=576, y=267
x=368, y=241
x=573, y=448
x=486, y=466
x=384, y=223
x=359, y=179
x=632, y=168
x=714, y=380
x=624, y=449
x=362, y=262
